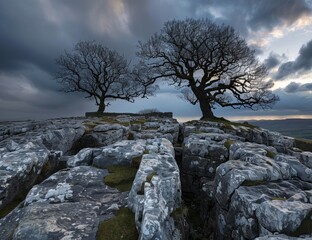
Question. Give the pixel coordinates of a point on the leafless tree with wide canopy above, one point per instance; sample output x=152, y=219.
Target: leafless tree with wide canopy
x=101, y=73
x=211, y=63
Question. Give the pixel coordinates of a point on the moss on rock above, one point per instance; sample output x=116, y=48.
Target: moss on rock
x=122, y=226
x=120, y=177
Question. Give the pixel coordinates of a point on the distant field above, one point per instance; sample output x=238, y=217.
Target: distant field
x=298, y=128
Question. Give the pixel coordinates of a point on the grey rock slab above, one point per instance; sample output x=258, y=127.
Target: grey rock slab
x=243, y=150
x=83, y=158
x=303, y=172
x=282, y=216
x=71, y=185
x=109, y=127
x=19, y=170
x=120, y=153
x=231, y=174
x=70, y=204
x=156, y=192
x=58, y=221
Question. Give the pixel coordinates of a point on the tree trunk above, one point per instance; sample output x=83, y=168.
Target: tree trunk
x=101, y=107
x=204, y=102
x=205, y=108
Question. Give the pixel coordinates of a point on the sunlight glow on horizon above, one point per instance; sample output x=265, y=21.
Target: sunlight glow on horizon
x=249, y=118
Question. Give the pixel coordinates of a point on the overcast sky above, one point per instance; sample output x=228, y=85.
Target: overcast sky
x=35, y=32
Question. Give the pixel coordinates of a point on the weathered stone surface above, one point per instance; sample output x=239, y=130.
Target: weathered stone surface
x=283, y=216
x=157, y=128
x=83, y=158
x=51, y=134
x=19, y=170
x=156, y=192
x=68, y=205
x=103, y=134
x=202, y=154
x=245, y=215
x=120, y=153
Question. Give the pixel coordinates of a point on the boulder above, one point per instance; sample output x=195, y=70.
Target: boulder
x=67, y=205
x=156, y=192
x=20, y=169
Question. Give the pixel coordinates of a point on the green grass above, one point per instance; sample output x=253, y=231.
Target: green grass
x=253, y=183
x=138, y=121
x=136, y=161
x=228, y=143
x=180, y=213
x=120, y=177
x=130, y=136
x=279, y=198
x=113, y=120
x=304, y=144
x=270, y=154
x=147, y=179
x=120, y=227
x=228, y=124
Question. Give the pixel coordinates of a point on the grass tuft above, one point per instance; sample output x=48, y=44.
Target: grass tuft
x=228, y=143
x=120, y=177
x=270, y=154
x=304, y=144
x=148, y=179
x=120, y=227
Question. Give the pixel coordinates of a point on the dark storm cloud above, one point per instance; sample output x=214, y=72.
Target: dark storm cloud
x=35, y=32
x=294, y=87
x=253, y=15
x=272, y=61
x=301, y=64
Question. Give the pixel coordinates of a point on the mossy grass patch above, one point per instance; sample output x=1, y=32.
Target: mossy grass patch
x=253, y=183
x=228, y=124
x=122, y=226
x=270, y=154
x=136, y=161
x=228, y=143
x=304, y=144
x=120, y=177
x=148, y=179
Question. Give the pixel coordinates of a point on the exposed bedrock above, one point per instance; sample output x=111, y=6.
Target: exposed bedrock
x=197, y=180
x=67, y=205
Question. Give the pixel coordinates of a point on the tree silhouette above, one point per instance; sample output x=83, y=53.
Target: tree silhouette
x=101, y=73
x=211, y=63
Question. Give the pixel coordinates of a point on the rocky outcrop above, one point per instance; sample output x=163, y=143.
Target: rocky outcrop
x=237, y=181
x=54, y=135
x=224, y=162
x=68, y=205
x=156, y=128
x=20, y=166
x=156, y=193
x=31, y=152
x=102, y=134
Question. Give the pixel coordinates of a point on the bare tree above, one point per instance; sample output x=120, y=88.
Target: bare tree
x=211, y=63
x=101, y=73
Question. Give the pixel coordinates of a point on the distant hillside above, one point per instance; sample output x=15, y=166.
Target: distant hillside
x=299, y=128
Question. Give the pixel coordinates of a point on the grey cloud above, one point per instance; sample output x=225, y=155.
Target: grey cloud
x=253, y=15
x=268, y=14
x=301, y=64
x=294, y=87
x=35, y=32
x=273, y=60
